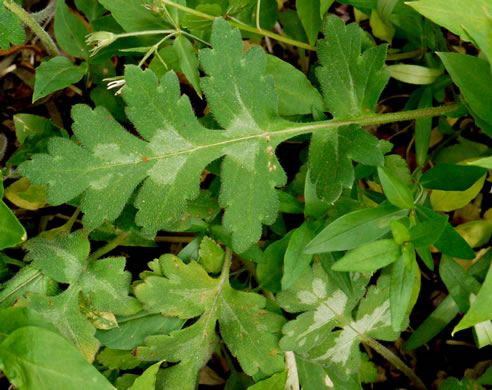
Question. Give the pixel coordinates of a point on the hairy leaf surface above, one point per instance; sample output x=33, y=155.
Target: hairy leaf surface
x=351, y=85
x=111, y=163
x=103, y=283
x=249, y=331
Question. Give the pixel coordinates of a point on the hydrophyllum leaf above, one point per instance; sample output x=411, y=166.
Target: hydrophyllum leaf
x=11, y=30
x=355, y=229
x=248, y=330
x=104, y=283
x=324, y=307
x=351, y=85
x=35, y=358
x=351, y=82
x=296, y=94
x=110, y=163
x=56, y=73
x=330, y=159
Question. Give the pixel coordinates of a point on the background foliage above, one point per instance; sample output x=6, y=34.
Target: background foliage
x=245, y=195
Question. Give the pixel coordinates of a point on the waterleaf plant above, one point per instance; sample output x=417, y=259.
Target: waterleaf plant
x=269, y=197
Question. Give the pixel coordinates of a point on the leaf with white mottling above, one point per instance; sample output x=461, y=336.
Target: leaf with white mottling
x=174, y=148
x=323, y=308
x=104, y=284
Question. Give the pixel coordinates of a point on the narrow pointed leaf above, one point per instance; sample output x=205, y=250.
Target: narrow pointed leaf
x=188, y=61
x=355, y=229
x=395, y=190
x=369, y=257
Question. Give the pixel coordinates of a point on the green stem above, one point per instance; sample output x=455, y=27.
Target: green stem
x=29, y=21
x=378, y=119
x=395, y=361
x=254, y=30
x=108, y=247
x=403, y=56
x=145, y=32
x=227, y=264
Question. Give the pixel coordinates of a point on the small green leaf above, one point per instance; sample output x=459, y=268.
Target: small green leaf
x=117, y=359
x=295, y=261
x=369, y=257
x=459, y=283
x=275, y=382
x=270, y=273
x=480, y=308
x=471, y=74
x=309, y=14
x=70, y=32
x=289, y=204
x=485, y=162
x=458, y=16
x=297, y=96
x=400, y=232
x=428, y=232
x=11, y=230
x=188, y=62
x=463, y=177
x=395, y=190
x=56, y=73
x=414, y=74
x=11, y=30
x=450, y=242
x=211, y=255
x=452, y=200
x=133, y=16
x=355, y=229
x=433, y=324
x=133, y=329
x=32, y=358
x=405, y=275
x=147, y=380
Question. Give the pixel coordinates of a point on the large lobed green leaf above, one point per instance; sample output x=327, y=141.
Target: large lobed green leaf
x=174, y=148
x=249, y=331
x=111, y=163
x=104, y=284
x=351, y=85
